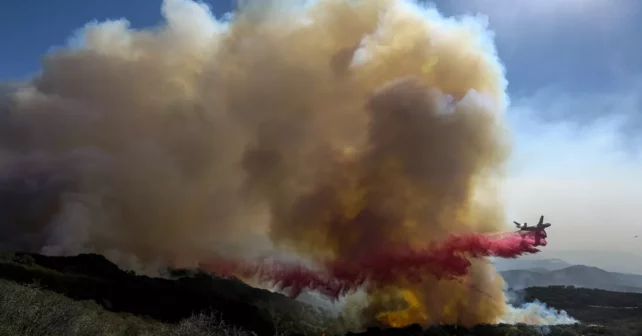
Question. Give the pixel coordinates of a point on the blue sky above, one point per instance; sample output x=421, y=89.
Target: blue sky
x=575, y=82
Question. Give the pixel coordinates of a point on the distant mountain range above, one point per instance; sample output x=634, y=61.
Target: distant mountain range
x=612, y=261
x=532, y=264
x=559, y=273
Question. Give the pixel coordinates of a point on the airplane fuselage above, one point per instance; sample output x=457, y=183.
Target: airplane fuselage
x=535, y=228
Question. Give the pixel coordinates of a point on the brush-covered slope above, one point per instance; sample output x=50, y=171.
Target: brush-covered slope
x=92, y=277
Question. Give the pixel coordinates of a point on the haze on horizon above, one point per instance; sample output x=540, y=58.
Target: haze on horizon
x=575, y=84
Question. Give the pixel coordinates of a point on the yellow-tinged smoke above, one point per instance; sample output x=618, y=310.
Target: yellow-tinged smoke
x=336, y=128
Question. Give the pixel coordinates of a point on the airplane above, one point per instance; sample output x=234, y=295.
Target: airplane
x=539, y=229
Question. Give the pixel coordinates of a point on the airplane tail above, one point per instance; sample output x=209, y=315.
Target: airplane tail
x=541, y=220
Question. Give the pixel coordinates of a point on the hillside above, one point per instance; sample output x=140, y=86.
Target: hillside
x=89, y=293
x=32, y=311
x=578, y=276
x=92, y=277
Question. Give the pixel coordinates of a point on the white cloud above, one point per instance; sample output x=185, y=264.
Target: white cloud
x=577, y=171
x=540, y=18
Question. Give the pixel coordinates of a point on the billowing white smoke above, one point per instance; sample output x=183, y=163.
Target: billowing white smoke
x=534, y=313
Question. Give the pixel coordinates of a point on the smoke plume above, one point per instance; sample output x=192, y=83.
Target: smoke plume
x=534, y=313
x=346, y=132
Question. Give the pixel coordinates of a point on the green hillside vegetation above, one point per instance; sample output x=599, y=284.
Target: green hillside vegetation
x=87, y=295
x=564, y=297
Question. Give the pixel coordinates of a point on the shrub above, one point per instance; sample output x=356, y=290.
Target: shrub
x=31, y=311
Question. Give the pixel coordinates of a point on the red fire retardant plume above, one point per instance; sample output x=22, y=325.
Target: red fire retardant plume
x=449, y=259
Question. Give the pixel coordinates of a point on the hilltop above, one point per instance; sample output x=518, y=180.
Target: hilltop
x=611, y=261
x=576, y=275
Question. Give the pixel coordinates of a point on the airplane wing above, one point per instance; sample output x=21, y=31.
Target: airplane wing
x=519, y=226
